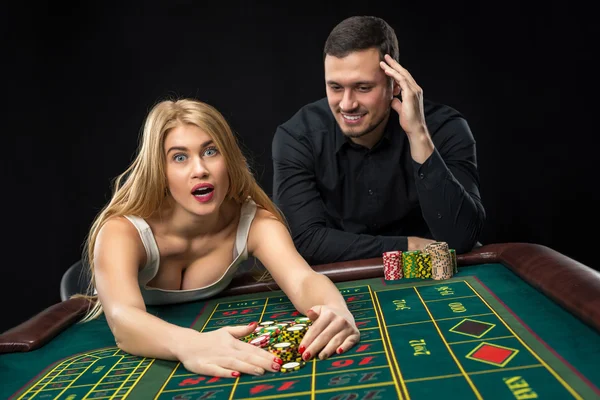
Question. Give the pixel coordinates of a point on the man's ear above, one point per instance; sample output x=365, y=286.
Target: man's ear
x=395, y=88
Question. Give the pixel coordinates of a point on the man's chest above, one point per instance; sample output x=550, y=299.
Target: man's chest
x=365, y=188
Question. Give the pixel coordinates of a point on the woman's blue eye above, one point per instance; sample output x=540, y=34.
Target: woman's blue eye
x=211, y=151
x=179, y=158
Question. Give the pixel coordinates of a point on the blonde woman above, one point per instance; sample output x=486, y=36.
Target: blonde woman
x=181, y=219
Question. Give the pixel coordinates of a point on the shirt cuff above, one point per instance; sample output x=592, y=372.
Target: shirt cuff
x=431, y=173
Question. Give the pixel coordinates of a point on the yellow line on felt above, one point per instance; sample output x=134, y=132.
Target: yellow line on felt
x=558, y=377
x=235, y=316
x=441, y=319
x=100, y=380
x=177, y=365
x=269, y=378
x=314, y=373
x=450, y=298
x=369, y=385
x=462, y=370
x=489, y=371
x=237, y=380
x=413, y=285
x=492, y=371
x=381, y=324
x=277, y=396
x=77, y=376
x=482, y=339
x=243, y=308
x=67, y=363
x=136, y=380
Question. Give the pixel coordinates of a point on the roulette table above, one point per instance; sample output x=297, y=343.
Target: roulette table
x=517, y=321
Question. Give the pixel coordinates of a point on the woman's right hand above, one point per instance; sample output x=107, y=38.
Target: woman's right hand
x=221, y=353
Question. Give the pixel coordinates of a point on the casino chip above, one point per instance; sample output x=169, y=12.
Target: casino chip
x=282, y=339
x=292, y=366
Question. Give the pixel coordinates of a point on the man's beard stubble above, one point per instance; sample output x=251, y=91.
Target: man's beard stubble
x=368, y=129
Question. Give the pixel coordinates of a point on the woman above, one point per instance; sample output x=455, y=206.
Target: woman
x=182, y=218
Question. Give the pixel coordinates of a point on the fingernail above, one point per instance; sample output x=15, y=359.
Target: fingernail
x=301, y=349
x=276, y=366
x=306, y=356
x=235, y=374
x=278, y=360
x=251, y=323
x=340, y=350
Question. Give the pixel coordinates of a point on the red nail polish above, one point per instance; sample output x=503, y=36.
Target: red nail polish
x=235, y=374
x=306, y=356
x=340, y=350
x=276, y=367
x=301, y=349
x=251, y=323
x=278, y=360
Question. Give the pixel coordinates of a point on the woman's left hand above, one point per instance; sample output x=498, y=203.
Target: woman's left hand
x=332, y=331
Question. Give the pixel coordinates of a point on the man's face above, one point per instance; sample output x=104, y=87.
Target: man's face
x=359, y=93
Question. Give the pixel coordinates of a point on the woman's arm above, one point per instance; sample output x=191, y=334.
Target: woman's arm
x=119, y=253
x=313, y=294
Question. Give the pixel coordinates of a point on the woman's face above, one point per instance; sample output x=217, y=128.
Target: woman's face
x=197, y=175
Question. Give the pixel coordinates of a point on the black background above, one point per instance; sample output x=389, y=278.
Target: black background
x=78, y=86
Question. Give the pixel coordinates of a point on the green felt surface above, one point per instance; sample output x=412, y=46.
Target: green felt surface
x=485, y=333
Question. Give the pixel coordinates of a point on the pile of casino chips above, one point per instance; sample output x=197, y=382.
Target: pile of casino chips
x=435, y=261
x=282, y=339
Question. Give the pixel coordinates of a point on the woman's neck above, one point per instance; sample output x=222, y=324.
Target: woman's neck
x=180, y=222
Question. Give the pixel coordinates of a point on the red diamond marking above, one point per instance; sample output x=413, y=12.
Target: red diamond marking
x=492, y=354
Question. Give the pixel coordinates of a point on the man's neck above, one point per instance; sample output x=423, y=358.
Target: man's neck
x=372, y=138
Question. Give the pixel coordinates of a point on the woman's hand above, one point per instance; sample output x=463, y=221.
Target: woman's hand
x=332, y=331
x=221, y=353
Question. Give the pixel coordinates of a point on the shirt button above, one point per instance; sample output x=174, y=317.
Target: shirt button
x=439, y=216
x=370, y=192
x=421, y=175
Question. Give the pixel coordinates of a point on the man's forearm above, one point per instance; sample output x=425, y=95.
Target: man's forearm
x=452, y=214
x=319, y=245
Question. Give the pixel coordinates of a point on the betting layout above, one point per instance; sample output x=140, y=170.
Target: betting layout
x=419, y=340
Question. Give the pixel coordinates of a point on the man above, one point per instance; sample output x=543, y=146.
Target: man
x=354, y=178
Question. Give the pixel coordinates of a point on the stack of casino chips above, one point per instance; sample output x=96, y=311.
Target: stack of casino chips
x=392, y=265
x=409, y=263
x=420, y=264
x=454, y=263
x=441, y=260
x=282, y=339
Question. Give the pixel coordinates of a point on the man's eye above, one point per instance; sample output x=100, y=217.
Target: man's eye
x=211, y=151
x=179, y=157
x=364, y=88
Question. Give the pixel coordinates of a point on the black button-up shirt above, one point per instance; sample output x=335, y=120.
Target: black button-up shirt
x=344, y=201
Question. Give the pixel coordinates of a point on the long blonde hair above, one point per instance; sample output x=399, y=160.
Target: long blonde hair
x=142, y=188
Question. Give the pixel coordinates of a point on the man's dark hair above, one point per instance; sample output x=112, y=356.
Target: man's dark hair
x=361, y=33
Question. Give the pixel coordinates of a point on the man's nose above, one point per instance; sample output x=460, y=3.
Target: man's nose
x=348, y=102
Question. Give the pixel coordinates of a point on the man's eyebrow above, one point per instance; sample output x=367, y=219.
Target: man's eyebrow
x=359, y=83
x=183, y=148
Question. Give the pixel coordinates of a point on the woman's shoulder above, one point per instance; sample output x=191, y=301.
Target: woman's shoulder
x=265, y=227
x=119, y=226
x=119, y=238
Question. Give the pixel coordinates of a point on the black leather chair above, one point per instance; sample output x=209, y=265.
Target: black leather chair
x=75, y=280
